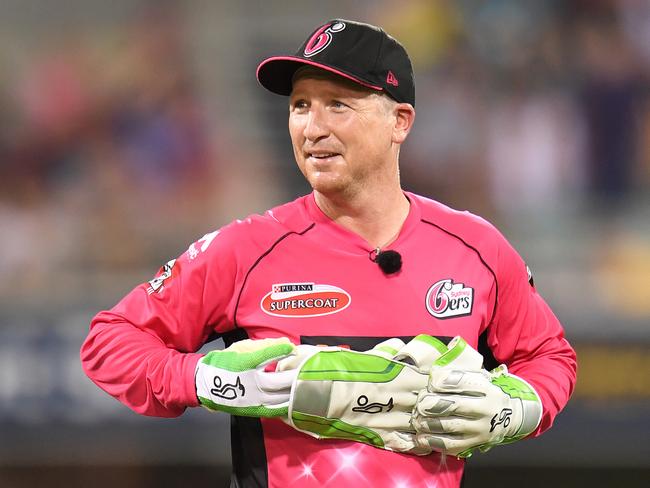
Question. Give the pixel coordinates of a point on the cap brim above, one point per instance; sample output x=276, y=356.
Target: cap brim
x=276, y=73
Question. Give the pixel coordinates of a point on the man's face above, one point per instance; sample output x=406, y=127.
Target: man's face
x=341, y=134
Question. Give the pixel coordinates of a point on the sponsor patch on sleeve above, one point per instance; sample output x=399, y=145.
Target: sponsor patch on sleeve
x=158, y=283
x=531, y=281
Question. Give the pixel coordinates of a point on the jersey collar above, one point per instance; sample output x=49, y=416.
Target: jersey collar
x=341, y=234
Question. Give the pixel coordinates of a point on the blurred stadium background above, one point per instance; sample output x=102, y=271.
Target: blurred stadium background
x=130, y=128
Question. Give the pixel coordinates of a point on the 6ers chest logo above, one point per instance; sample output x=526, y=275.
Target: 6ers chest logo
x=304, y=300
x=446, y=299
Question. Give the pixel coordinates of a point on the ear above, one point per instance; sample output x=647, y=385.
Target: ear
x=404, y=117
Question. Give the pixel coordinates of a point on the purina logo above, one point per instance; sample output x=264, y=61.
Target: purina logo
x=322, y=38
x=304, y=300
x=446, y=299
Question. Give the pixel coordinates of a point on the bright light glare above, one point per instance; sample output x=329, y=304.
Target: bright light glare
x=347, y=466
x=306, y=471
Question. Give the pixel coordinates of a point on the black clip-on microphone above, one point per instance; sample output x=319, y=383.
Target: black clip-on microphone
x=389, y=261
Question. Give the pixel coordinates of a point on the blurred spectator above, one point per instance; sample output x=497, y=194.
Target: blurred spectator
x=635, y=17
x=428, y=29
x=533, y=150
x=610, y=95
x=105, y=148
x=155, y=120
x=443, y=157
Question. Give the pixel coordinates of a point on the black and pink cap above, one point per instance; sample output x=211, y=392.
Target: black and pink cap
x=360, y=52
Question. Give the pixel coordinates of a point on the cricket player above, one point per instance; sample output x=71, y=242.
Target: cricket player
x=439, y=344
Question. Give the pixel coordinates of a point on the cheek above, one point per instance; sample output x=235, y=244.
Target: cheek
x=373, y=141
x=296, y=141
x=300, y=160
x=295, y=127
x=381, y=139
x=293, y=133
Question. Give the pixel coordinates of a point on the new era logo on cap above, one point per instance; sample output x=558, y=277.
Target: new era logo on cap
x=391, y=80
x=360, y=52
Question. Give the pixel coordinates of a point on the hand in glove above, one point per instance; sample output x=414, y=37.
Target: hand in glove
x=368, y=396
x=462, y=410
x=413, y=398
x=233, y=380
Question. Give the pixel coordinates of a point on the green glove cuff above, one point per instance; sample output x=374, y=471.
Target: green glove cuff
x=243, y=361
x=531, y=408
x=234, y=381
x=519, y=389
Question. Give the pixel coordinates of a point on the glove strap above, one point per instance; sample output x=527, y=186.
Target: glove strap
x=421, y=351
x=519, y=389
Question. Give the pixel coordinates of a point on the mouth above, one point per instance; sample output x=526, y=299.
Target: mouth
x=321, y=156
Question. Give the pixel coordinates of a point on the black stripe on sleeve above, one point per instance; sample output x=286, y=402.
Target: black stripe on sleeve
x=489, y=361
x=478, y=254
x=259, y=259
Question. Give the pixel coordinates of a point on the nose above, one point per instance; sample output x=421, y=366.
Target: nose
x=316, y=126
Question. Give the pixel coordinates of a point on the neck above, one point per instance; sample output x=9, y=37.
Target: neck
x=377, y=218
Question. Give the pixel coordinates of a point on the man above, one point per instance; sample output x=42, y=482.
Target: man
x=354, y=263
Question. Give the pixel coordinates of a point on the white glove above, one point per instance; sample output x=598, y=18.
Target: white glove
x=462, y=410
x=233, y=380
x=413, y=398
x=368, y=396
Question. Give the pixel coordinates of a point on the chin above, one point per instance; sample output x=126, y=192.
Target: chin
x=327, y=186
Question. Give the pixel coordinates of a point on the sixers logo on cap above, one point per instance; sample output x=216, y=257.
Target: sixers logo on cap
x=322, y=38
x=304, y=300
x=446, y=299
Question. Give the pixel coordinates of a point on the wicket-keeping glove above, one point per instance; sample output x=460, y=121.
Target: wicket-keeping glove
x=233, y=380
x=462, y=410
x=369, y=396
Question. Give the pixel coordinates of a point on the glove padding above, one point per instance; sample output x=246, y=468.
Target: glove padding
x=463, y=410
x=414, y=398
x=233, y=380
x=369, y=396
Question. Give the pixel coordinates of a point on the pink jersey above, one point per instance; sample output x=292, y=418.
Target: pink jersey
x=293, y=272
